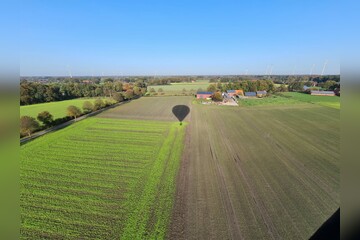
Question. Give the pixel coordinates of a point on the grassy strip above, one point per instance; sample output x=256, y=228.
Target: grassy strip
x=272, y=100
x=165, y=199
x=327, y=101
x=143, y=210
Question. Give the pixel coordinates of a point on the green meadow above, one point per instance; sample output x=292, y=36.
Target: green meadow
x=57, y=109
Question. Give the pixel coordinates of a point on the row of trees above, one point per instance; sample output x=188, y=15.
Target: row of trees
x=35, y=92
x=330, y=85
x=279, y=79
x=168, y=80
x=247, y=86
x=28, y=124
x=269, y=86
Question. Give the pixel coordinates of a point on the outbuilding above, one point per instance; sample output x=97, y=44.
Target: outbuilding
x=203, y=95
x=261, y=93
x=250, y=94
x=239, y=92
x=233, y=93
x=322, y=93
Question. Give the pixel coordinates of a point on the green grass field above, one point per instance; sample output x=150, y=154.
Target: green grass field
x=328, y=101
x=100, y=178
x=57, y=109
x=291, y=98
x=177, y=88
x=266, y=101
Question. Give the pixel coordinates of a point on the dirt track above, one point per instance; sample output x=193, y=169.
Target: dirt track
x=257, y=174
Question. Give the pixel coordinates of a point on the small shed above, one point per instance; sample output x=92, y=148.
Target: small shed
x=250, y=94
x=261, y=93
x=322, y=93
x=203, y=95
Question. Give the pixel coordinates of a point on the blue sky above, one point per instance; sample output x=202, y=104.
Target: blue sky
x=178, y=37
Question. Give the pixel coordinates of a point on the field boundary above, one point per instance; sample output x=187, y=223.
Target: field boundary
x=68, y=123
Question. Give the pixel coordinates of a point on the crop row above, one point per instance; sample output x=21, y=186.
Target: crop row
x=96, y=178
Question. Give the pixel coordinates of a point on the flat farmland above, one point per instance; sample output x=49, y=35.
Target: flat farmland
x=149, y=108
x=174, y=88
x=100, y=178
x=254, y=172
x=269, y=172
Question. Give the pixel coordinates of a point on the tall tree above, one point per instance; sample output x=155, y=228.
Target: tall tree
x=46, y=118
x=87, y=107
x=117, y=97
x=73, y=111
x=129, y=94
x=98, y=104
x=28, y=125
x=217, y=97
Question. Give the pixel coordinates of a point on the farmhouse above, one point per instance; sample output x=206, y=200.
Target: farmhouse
x=203, y=95
x=239, y=92
x=233, y=93
x=250, y=94
x=322, y=93
x=261, y=93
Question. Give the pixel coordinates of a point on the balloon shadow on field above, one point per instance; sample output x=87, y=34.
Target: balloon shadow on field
x=180, y=112
x=330, y=229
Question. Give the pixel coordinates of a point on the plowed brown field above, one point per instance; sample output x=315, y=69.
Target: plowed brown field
x=257, y=173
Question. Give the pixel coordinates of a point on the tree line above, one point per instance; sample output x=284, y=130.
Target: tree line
x=29, y=125
x=246, y=85
x=278, y=79
x=269, y=86
x=37, y=92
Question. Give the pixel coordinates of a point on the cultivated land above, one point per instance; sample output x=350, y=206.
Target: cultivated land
x=57, y=109
x=149, y=108
x=253, y=172
x=269, y=172
x=101, y=178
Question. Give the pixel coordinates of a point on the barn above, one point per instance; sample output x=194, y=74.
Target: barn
x=322, y=93
x=239, y=92
x=250, y=94
x=233, y=93
x=203, y=95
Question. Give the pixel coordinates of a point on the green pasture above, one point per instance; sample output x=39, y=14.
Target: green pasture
x=57, y=109
x=328, y=101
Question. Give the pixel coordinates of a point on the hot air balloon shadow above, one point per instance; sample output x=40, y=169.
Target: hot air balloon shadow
x=180, y=112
